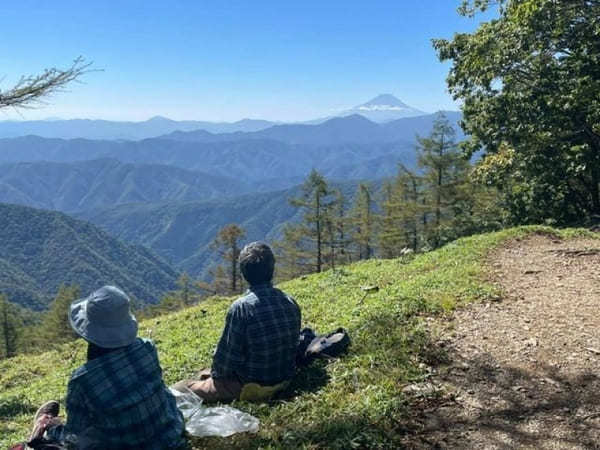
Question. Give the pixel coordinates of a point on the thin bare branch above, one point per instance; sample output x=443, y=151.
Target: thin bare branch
x=29, y=91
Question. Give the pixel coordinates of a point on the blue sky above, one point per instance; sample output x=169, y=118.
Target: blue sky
x=226, y=60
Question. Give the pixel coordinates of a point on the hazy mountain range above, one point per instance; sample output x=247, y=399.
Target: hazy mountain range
x=112, y=130
x=269, y=159
x=173, y=191
x=383, y=108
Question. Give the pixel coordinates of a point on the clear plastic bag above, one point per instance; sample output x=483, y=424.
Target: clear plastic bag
x=222, y=421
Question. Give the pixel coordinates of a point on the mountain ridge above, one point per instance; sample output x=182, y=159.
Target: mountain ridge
x=43, y=249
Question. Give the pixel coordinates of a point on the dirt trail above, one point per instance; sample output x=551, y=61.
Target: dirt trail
x=523, y=372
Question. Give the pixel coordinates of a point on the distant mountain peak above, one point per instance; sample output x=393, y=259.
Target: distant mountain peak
x=159, y=119
x=387, y=101
x=383, y=108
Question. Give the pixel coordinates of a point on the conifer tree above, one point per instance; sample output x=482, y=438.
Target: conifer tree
x=391, y=235
x=9, y=328
x=55, y=327
x=316, y=201
x=337, y=230
x=401, y=222
x=184, y=282
x=293, y=260
x=444, y=170
x=228, y=244
x=363, y=221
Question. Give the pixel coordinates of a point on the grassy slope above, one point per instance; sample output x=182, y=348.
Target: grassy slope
x=352, y=402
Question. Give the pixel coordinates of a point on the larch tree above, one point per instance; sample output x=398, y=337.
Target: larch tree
x=316, y=201
x=444, y=167
x=228, y=244
x=55, y=327
x=9, y=328
x=363, y=221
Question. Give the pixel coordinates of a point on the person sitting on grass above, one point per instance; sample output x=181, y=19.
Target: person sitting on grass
x=257, y=348
x=117, y=399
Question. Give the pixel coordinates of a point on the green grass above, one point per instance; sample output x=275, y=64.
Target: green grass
x=353, y=402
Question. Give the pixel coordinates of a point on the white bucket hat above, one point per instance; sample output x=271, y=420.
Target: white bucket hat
x=104, y=318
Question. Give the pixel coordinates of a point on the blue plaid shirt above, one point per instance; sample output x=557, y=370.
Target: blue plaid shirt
x=119, y=401
x=260, y=338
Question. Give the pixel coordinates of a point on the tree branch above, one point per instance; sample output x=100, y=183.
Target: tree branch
x=28, y=91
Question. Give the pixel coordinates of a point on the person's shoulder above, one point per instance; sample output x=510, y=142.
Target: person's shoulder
x=243, y=304
x=285, y=294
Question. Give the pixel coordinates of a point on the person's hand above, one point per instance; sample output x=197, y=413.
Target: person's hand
x=40, y=426
x=43, y=422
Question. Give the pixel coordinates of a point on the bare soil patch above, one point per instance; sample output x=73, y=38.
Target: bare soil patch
x=523, y=372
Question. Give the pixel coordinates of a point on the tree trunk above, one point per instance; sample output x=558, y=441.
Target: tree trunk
x=318, y=220
x=595, y=192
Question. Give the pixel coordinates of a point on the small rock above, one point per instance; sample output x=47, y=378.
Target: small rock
x=424, y=389
x=533, y=342
x=593, y=350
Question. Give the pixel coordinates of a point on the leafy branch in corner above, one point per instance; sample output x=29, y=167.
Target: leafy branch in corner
x=28, y=91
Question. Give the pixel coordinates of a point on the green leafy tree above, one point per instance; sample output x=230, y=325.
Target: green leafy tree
x=530, y=84
x=9, y=328
x=228, y=244
x=445, y=170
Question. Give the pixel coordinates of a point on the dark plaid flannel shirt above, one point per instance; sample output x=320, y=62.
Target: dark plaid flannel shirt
x=121, y=401
x=260, y=338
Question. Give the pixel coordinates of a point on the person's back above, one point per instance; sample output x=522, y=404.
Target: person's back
x=268, y=322
x=258, y=345
x=120, y=401
x=117, y=400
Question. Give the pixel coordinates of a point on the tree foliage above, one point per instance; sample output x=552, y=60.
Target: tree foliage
x=317, y=201
x=29, y=90
x=362, y=218
x=9, y=328
x=530, y=82
x=444, y=169
x=55, y=327
x=228, y=244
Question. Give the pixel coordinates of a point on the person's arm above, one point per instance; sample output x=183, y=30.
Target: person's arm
x=230, y=355
x=78, y=418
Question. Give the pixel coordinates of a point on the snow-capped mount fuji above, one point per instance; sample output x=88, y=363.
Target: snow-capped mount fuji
x=383, y=108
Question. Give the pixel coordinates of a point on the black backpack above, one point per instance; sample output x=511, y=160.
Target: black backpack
x=312, y=346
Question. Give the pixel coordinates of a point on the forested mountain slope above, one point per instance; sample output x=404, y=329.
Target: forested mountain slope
x=107, y=182
x=182, y=232
x=40, y=250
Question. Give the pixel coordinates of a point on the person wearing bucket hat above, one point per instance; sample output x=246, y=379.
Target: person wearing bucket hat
x=117, y=399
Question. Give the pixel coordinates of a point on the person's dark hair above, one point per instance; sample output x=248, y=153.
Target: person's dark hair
x=94, y=351
x=257, y=263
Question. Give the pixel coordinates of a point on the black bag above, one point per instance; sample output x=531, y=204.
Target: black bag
x=330, y=345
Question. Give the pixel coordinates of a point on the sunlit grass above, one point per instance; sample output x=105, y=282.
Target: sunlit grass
x=353, y=402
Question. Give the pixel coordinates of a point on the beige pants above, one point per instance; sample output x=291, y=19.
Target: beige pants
x=209, y=389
